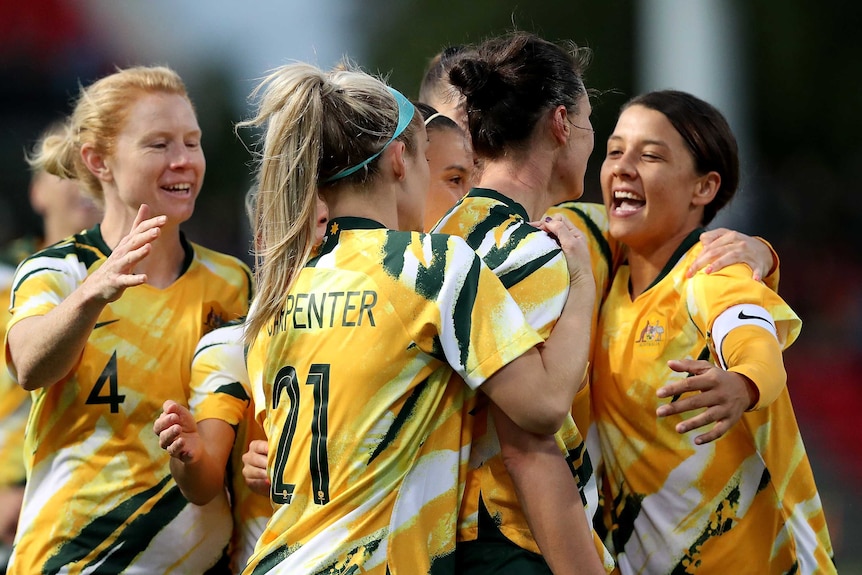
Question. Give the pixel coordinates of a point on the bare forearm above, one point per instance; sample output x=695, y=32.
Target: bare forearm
x=200, y=474
x=548, y=494
x=200, y=481
x=44, y=349
x=565, y=354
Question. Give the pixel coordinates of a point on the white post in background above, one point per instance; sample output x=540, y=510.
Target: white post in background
x=698, y=46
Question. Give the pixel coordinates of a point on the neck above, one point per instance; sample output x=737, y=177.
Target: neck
x=163, y=264
x=647, y=262
x=377, y=203
x=54, y=232
x=527, y=182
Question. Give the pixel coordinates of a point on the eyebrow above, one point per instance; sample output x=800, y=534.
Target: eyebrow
x=661, y=143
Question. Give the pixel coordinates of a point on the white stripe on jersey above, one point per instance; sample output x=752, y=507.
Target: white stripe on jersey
x=736, y=316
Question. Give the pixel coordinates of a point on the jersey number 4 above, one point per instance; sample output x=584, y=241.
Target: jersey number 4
x=286, y=381
x=109, y=376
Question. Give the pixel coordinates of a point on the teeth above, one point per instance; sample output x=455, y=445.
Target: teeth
x=621, y=195
x=179, y=187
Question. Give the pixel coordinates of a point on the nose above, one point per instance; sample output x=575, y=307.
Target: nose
x=622, y=166
x=180, y=158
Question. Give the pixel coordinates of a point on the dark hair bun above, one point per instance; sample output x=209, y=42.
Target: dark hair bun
x=476, y=79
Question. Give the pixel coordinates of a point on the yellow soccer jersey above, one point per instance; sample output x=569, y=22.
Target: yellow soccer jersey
x=351, y=384
x=534, y=270
x=606, y=255
x=99, y=489
x=14, y=401
x=14, y=406
x=745, y=503
x=220, y=389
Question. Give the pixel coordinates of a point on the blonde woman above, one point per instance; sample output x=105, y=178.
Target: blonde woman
x=352, y=350
x=103, y=328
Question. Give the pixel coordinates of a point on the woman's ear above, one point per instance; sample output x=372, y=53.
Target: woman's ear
x=560, y=127
x=95, y=162
x=707, y=187
x=397, y=160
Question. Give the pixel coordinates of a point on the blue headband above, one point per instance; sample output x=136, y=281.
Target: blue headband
x=405, y=114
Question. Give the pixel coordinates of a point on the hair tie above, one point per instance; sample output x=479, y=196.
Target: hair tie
x=431, y=117
x=405, y=114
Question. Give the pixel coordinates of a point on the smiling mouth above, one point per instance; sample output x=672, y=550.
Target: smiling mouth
x=178, y=188
x=626, y=202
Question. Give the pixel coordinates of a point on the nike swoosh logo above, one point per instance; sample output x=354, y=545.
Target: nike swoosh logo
x=104, y=323
x=743, y=315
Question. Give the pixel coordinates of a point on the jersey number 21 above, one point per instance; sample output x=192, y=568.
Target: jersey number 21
x=287, y=382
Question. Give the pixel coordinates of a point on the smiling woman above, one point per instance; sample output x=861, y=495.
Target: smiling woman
x=674, y=497
x=133, y=140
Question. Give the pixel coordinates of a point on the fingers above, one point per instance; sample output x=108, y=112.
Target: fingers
x=558, y=228
x=692, y=366
x=718, y=430
x=575, y=248
x=254, y=467
x=118, y=272
x=722, y=396
x=723, y=247
x=682, y=405
x=259, y=446
x=143, y=214
x=720, y=249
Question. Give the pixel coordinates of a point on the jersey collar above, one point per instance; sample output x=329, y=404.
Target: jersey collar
x=513, y=206
x=95, y=236
x=686, y=245
x=335, y=226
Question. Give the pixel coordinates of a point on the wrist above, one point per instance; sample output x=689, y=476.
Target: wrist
x=753, y=392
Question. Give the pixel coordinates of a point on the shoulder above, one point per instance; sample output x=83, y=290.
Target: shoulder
x=425, y=250
x=73, y=257
x=230, y=268
x=228, y=334
x=588, y=216
x=212, y=258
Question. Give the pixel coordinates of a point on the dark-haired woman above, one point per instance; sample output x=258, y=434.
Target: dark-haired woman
x=529, y=118
x=704, y=469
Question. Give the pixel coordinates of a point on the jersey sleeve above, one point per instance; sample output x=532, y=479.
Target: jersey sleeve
x=219, y=378
x=42, y=281
x=482, y=328
x=709, y=295
x=728, y=299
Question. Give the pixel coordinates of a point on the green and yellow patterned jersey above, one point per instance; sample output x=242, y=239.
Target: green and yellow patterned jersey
x=14, y=401
x=533, y=269
x=14, y=406
x=351, y=382
x=220, y=389
x=745, y=503
x=606, y=255
x=99, y=490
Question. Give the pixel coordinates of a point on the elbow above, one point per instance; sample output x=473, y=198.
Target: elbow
x=25, y=380
x=522, y=453
x=199, y=492
x=547, y=421
x=198, y=497
x=30, y=381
